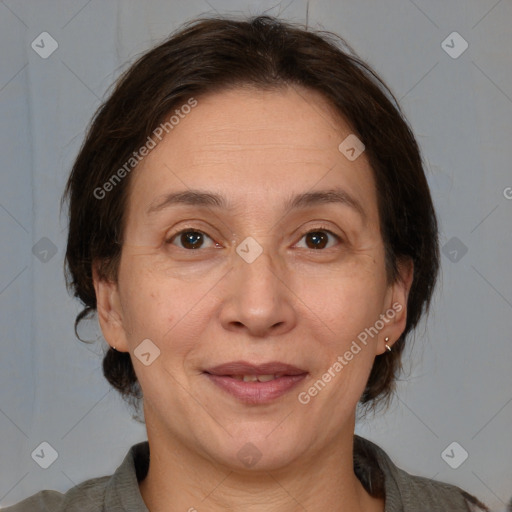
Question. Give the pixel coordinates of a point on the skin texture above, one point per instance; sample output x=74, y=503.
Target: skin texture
x=294, y=303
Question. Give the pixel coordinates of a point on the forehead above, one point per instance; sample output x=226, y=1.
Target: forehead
x=243, y=142
x=273, y=123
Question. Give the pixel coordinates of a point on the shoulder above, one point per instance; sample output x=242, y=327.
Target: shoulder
x=116, y=493
x=44, y=500
x=439, y=496
x=88, y=495
x=411, y=493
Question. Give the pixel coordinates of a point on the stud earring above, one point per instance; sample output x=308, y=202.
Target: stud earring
x=388, y=348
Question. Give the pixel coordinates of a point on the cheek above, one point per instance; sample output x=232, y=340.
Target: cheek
x=163, y=308
x=144, y=300
x=346, y=299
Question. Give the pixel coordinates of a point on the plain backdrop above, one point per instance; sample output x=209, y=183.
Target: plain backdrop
x=457, y=386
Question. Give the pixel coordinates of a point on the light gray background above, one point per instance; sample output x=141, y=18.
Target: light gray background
x=458, y=384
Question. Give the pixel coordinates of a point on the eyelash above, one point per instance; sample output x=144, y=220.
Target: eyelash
x=192, y=230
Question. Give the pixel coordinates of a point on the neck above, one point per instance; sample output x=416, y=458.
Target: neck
x=180, y=479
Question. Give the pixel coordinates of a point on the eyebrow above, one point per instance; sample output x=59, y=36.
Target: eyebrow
x=331, y=196
x=190, y=198
x=304, y=200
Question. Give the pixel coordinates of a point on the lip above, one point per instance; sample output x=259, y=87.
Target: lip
x=245, y=368
x=256, y=392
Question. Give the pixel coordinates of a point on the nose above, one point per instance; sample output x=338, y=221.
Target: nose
x=258, y=298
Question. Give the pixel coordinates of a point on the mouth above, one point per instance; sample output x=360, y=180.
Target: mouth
x=257, y=378
x=256, y=384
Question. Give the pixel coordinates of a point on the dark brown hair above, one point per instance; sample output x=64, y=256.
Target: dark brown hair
x=211, y=55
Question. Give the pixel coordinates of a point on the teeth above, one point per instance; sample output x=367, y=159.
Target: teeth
x=266, y=378
x=254, y=378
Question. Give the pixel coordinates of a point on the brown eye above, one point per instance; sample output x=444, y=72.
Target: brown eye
x=318, y=239
x=190, y=239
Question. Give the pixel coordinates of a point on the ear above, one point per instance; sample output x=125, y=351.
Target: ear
x=109, y=309
x=395, y=315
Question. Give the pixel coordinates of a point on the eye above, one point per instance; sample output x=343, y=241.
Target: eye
x=319, y=238
x=191, y=239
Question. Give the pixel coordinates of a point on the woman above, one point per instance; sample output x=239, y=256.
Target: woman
x=250, y=220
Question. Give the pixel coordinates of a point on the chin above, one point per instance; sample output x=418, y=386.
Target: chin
x=259, y=451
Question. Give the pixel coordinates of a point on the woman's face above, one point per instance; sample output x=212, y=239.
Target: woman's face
x=273, y=270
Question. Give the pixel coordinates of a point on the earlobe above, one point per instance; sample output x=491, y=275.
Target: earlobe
x=109, y=312
x=397, y=306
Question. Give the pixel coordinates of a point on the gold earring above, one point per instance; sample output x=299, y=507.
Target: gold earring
x=386, y=339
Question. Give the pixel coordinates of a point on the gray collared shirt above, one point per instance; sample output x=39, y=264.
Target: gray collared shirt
x=120, y=491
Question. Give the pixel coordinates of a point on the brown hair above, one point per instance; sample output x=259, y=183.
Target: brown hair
x=210, y=55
